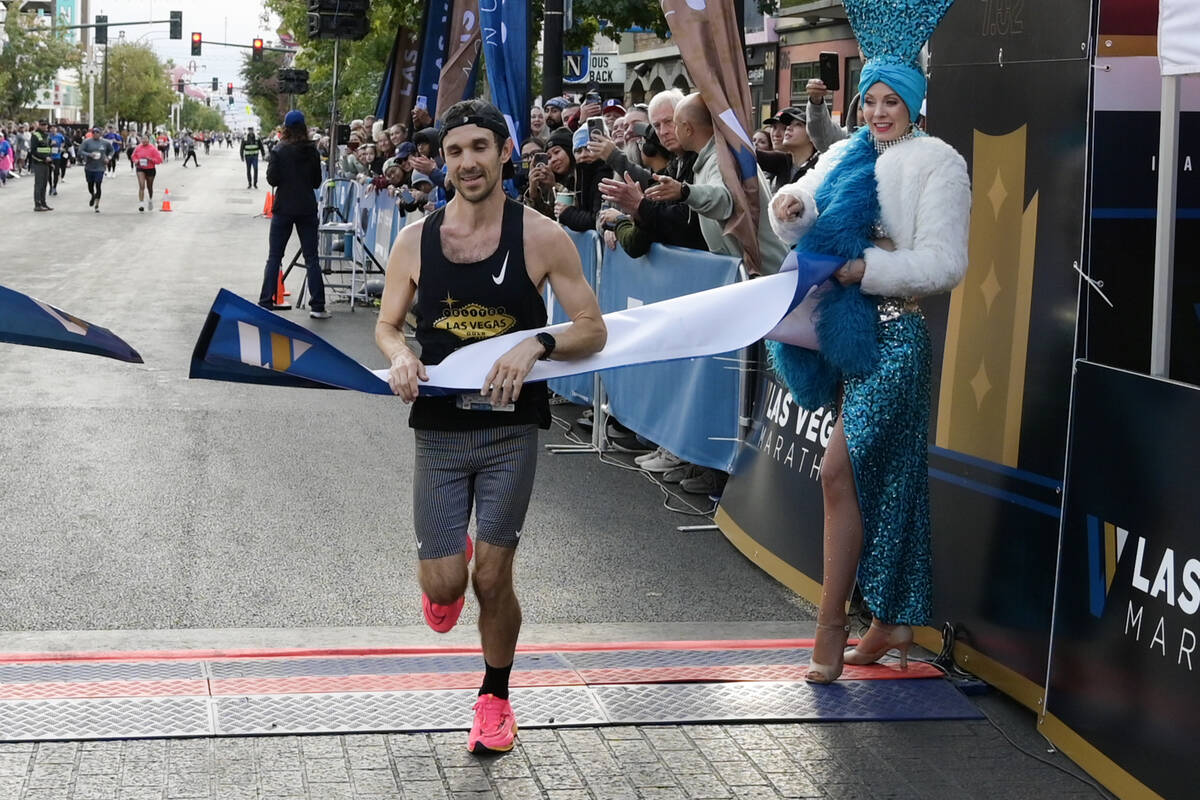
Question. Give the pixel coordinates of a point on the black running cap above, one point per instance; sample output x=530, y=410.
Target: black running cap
x=485, y=116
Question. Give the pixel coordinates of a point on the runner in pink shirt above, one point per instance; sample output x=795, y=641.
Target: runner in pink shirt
x=145, y=158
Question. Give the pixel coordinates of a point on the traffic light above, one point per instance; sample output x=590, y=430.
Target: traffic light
x=258, y=50
x=197, y=40
x=337, y=19
x=215, y=85
x=176, y=24
x=179, y=86
x=101, y=29
x=229, y=90
x=293, y=81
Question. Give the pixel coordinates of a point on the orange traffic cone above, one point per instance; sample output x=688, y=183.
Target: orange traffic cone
x=268, y=205
x=280, y=293
x=166, y=206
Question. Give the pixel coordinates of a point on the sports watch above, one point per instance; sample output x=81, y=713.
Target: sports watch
x=547, y=341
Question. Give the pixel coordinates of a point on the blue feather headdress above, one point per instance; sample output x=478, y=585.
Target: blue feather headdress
x=891, y=34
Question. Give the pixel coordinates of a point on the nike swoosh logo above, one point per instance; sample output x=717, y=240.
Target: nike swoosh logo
x=499, y=279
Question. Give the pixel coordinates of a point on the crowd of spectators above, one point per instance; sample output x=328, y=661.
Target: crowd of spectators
x=648, y=173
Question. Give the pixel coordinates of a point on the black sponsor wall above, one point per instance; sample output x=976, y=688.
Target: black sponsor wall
x=1122, y=235
x=1126, y=654
x=996, y=517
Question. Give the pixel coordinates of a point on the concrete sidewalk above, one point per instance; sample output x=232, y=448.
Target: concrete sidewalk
x=846, y=761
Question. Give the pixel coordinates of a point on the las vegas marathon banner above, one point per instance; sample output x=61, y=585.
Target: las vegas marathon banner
x=1125, y=660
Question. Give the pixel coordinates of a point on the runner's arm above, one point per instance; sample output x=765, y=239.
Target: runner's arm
x=549, y=252
x=559, y=262
x=400, y=287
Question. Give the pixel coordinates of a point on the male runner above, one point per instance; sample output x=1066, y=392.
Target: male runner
x=118, y=144
x=189, y=150
x=58, y=146
x=95, y=153
x=477, y=268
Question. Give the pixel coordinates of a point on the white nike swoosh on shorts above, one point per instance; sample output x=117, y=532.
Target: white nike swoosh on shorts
x=499, y=279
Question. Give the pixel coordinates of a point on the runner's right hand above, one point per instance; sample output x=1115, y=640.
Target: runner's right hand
x=405, y=375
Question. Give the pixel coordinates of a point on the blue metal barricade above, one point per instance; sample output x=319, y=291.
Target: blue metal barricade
x=690, y=407
x=577, y=388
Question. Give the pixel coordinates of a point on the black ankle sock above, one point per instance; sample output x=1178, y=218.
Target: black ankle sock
x=495, y=681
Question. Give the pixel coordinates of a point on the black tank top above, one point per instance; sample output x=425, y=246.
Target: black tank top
x=458, y=304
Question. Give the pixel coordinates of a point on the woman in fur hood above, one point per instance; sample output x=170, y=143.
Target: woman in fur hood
x=895, y=204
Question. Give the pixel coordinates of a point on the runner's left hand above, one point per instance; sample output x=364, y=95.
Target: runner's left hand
x=504, y=381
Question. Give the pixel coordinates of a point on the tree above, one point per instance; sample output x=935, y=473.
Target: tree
x=262, y=87
x=360, y=64
x=29, y=61
x=612, y=17
x=195, y=116
x=138, y=87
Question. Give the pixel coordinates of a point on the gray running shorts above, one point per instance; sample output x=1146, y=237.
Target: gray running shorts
x=491, y=469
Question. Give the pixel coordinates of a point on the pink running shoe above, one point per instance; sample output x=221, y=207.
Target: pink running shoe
x=495, y=727
x=441, y=618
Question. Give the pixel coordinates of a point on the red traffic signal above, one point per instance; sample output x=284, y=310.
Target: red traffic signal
x=229, y=89
x=258, y=50
x=197, y=40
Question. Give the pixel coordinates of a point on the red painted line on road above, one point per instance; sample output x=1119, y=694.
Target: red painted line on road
x=421, y=681
x=583, y=647
x=103, y=689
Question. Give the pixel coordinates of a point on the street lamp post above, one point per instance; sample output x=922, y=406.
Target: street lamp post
x=90, y=71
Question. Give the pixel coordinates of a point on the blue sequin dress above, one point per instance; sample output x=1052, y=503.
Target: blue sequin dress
x=886, y=419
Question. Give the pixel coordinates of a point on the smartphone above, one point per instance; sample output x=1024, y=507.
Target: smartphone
x=406, y=195
x=597, y=125
x=541, y=159
x=592, y=97
x=830, y=71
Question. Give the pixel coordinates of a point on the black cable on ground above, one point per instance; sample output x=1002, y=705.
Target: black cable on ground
x=935, y=662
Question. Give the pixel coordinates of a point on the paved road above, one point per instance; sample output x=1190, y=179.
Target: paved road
x=140, y=506
x=138, y=499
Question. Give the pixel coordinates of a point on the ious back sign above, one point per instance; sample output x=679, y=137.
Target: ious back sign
x=1124, y=663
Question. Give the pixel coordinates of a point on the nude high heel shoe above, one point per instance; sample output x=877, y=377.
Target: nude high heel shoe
x=826, y=673
x=899, y=637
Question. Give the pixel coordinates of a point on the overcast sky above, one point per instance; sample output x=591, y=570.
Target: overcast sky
x=235, y=21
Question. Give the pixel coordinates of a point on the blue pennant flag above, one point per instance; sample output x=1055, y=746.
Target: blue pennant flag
x=433, y=53
x=24, y=320
x=245, y=343
x=504, y=26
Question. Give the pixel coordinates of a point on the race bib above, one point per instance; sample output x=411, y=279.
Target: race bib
x=143, y=162
x=473, y=401
x=56, y=150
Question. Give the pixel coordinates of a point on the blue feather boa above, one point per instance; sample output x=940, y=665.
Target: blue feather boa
x=846, y=319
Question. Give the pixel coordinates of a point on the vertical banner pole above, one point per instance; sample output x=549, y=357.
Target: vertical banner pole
x=1164, y=235
x=552, y=46
x=333, y=160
